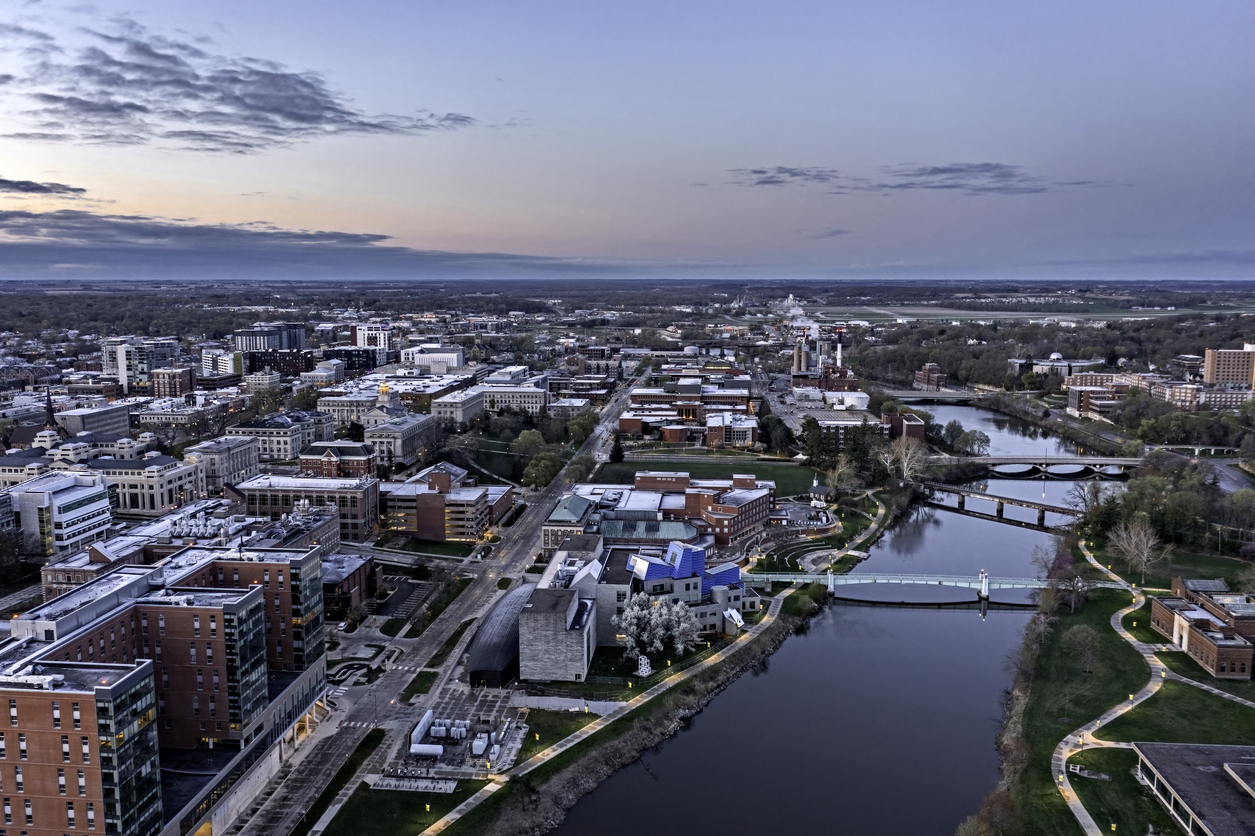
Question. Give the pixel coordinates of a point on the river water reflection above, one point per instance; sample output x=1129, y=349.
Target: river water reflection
x=876, y=720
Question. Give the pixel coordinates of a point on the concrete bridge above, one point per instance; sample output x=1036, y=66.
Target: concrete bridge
x=999, y=501
x=982, y=582
x=933, y=394
x=1043, y=462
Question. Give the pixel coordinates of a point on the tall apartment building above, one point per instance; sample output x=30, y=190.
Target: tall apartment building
x=132, y=360
x=1230, y=367
x=375, y=336
x=274, y=496
x=215, y=362
x=173, y=382
x=210, y=645
x=224, y=461
x=60, y=512
x=270, y=336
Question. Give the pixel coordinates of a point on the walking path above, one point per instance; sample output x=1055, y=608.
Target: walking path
x=622, y=710
x=810, y=562
x=1084, y=736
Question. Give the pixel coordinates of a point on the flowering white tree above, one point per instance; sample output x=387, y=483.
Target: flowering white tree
x=648, y=626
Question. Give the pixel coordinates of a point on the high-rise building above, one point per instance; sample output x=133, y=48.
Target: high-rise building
x=60, y=512
x=1230, y=367
x=132, y=360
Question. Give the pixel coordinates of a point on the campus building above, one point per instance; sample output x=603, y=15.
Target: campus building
x=59, y=512
x=273, y=496
x=444, y=502
x=225, y=461
x=1213, y=626
x=404, y=440
x=339, y=459
x=283, y=435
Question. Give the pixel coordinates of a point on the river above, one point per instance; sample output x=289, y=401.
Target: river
x=875, y=720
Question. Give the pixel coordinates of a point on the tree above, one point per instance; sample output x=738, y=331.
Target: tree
x=650, y=627
x=579, y=468
x=973, y=443
x=542, y=469
x=581, y=427
x=1082, y=641
x=1136, y=542
x=616, y=451
x=1247, y=448
x=952, y=431
x=355, y=432
x=908, y=456
x=843, y=475
x=528, y=444
x=681, y=626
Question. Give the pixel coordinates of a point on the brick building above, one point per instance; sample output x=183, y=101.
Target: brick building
x=274, y=496
x=339, y=459
x=1213, y=626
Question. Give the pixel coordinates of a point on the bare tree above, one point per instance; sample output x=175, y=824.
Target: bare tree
x=842, y=476
x=1246, y=581
x=1082, y=641
x=1085, y=496
x=909, y=456
x=1073, y=588
x=1134, y=540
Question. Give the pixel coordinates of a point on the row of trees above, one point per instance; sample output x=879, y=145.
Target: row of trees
x=650, y=626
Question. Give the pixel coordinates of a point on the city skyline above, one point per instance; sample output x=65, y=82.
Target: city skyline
x=482, y=140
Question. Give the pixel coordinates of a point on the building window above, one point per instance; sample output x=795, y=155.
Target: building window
x=91, y=816
x=56, y=714
x=65, y=748
x=277, y=602
x=191, y=649
x=265, y=579
x=87, y=752
x=30, y=818
x=165, y=677
x=78, y=718
x=213, y=626
x=8, y=812
x=215, y=679
x=209, y=653
x=12, y=712
x=196, y=626
x=195, y=705
x=18, y=780
x=143, y=623
x=60, y=781
x=200, y=680
x=82, y=782
x=2, y=750
x=161, y=624
x=69, y=814
x=21, y=747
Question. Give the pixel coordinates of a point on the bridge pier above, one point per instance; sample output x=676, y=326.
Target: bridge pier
x=983, y=594
x=1001, y=508
x=1041, y=517
x=962, y=501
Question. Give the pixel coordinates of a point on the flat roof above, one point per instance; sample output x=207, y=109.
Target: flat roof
x=337, y=567
x=549, y=601
x=304, y=483
x=1199, y=775
x=75, y=677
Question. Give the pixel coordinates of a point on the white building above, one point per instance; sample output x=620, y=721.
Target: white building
x=217, y=362
x=60, y=512
x=225, y=461
x=282, y=436
x=373, y=335
x=261, y=381
x=402, y=440
x=527, y=399
x=150, y=486
x=459, y=407
x=433, y=358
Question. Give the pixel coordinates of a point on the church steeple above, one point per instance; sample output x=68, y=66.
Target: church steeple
x=50, y=420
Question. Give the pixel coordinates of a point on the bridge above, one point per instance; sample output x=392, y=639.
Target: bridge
x=982, y=582
x=999, y=501
x=933, y=394
x=1043, y=462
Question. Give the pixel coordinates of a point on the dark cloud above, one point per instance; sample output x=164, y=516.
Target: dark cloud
x=129, y=86
x=36, y=244
x=963, y=178
x=782, y=176
x=831, y=233
x=30, y=187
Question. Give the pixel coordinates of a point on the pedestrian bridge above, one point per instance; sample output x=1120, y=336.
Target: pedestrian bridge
x=999, y=502
x=1041, y=461
x=982, y=582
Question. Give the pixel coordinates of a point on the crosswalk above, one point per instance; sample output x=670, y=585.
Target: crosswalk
x=338, y=692
x=356, y=724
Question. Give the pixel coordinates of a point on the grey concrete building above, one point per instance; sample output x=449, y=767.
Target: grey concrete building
x=557, y=636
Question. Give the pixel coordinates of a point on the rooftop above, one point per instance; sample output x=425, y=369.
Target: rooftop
x=303, y=483
x=1213, y=781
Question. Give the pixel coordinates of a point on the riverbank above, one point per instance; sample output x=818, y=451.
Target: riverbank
x=537, y=800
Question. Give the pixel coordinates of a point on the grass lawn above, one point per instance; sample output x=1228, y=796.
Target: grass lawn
x=1181, y=564
x=790, y=479
x=1122, y=800
x=386, y=813
x=1180, y=662
x=371, y=742
x=448, y=548
x=1062, y=698
x=420, y=684
x=550, y=727
x=392, y=626
x=512, y=517
x=1143, y=632
x=797, y=604
x=437, y=606
x=504, y=583
x=442, y=655
x=1181, y=713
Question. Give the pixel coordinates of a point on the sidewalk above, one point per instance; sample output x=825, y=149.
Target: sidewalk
x=810, y=563
x=1159, y=673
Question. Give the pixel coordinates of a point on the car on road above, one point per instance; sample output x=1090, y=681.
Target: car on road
x=343, y=625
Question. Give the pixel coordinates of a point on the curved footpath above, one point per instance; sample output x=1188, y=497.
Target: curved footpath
x=812, y=561
x=1084, y=736
x=600, y=723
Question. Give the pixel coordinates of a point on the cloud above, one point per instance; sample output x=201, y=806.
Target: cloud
x=129, y=86
x=987, y=178
x=782, y=176
x=34, y=244
x=830, y=233
x=30, y=187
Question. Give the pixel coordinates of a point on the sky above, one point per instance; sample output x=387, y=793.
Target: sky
x=843, y=140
